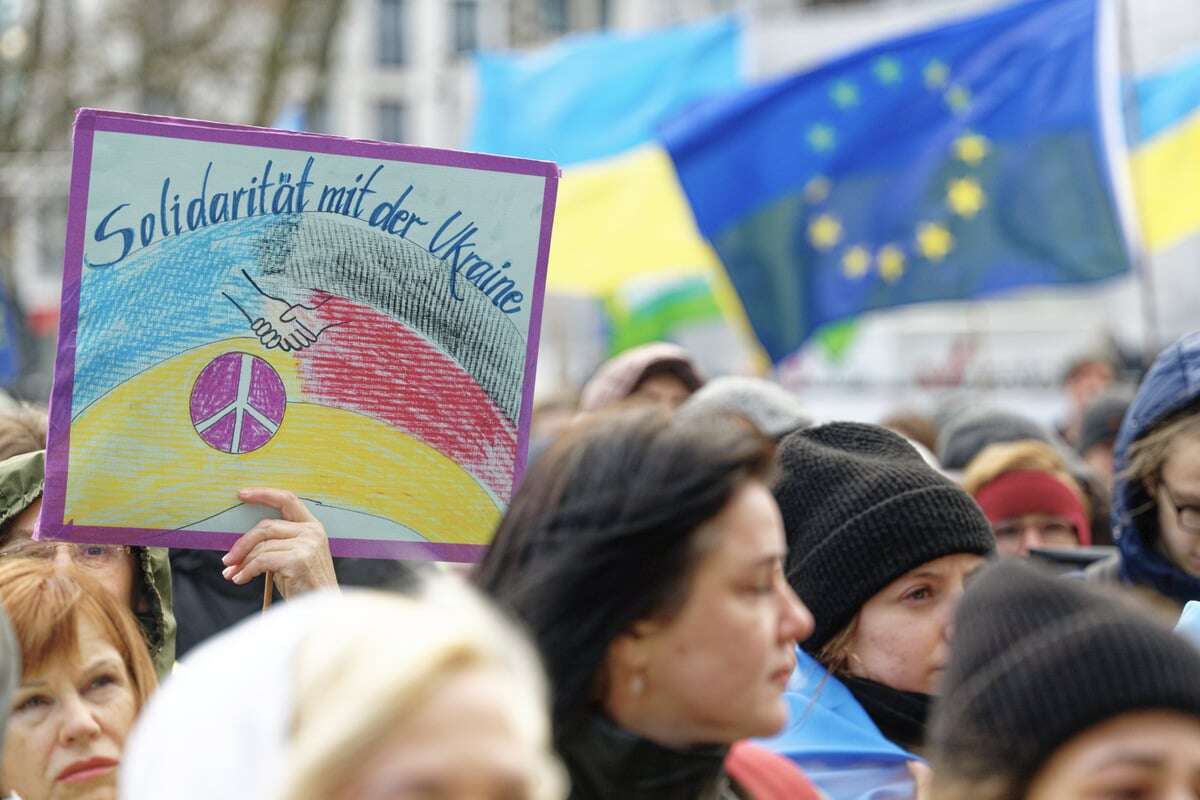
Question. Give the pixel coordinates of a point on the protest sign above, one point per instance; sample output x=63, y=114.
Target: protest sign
x=353, y=321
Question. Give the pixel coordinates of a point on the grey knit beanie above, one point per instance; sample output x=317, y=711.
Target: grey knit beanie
x=967, y=434
x=1102, y=419
x=774, y=410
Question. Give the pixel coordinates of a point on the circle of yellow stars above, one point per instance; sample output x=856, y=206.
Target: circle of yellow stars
x=933, y=240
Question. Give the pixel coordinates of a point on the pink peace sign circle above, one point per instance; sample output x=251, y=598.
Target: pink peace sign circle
x=237, y=403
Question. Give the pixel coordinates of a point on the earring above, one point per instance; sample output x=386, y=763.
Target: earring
x=637, y=685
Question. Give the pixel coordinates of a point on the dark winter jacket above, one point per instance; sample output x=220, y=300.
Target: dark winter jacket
x=1172, y=384
x=607, y=762
x=206, y=603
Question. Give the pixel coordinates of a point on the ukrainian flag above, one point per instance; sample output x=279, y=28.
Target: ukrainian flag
x=1166, y=169
x=624, y=232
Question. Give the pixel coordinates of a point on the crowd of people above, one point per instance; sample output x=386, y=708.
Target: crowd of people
x=697, y=592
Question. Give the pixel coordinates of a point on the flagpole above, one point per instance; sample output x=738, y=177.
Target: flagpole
x=1141, y=257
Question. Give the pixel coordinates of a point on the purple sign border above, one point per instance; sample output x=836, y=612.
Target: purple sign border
x=52, y=523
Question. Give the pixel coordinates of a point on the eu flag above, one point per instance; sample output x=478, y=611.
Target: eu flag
x=950, y=164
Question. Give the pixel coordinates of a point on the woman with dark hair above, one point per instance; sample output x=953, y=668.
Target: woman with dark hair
x=646, y=558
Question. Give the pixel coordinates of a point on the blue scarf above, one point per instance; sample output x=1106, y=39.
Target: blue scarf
x=833, y=739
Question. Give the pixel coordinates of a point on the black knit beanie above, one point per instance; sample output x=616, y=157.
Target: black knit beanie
x=861, y=508
x=1038, y=659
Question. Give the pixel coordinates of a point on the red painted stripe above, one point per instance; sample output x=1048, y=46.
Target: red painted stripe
x=376, y=366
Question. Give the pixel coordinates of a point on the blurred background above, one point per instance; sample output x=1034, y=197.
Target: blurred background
x=407, y=71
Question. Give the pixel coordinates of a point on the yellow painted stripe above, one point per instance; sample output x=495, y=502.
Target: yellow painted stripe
x=137, y=462
x=1166, y=176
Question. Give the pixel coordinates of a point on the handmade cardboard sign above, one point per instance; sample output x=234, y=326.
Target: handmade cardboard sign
x=353, y=321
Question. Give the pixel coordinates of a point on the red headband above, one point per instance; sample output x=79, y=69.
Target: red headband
x=1026, y=491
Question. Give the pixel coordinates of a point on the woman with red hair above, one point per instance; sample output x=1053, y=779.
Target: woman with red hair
x=86, y=674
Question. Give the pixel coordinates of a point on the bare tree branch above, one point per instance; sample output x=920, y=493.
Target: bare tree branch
x=24, y=78
x=267, y=103
x=318, y=95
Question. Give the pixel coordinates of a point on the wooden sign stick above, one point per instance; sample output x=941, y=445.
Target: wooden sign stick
x=268, y=590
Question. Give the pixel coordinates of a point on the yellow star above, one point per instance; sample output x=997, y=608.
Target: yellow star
x=959, y=99
x=887, y=70
x=825, y=232
x=971, y=148
x=856, y=262
x=891, y=263
x=817, y=189
x=844, y=94
x=821, y=137
x=965, y=197
x=937, y=74
x=934, y=241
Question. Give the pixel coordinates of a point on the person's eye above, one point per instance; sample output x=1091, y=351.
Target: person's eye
x=1125, y=793
x=919, y=593
x=95, y=551
x=32, y=703
x=102, y=681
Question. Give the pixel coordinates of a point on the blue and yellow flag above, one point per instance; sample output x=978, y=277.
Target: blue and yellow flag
x=951, y=164
x=1166, y=169
x=596, y=95
x=623, y=231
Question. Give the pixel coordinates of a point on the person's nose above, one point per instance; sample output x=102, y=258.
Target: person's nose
x=797, y=623
x=63, y=557
x=79, y=722
x=1031, y=539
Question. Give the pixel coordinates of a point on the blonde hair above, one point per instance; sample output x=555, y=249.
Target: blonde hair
x=46, y=604
x=358, y=675
x=836, y=656
x=1028, y=454
x=1148, y=454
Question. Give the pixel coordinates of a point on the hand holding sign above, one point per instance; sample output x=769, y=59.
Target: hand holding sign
x=287, y=326
x=294, y=548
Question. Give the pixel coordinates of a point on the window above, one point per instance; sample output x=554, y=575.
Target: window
x=392, y=45
x=393, y=121
x=466, y=26
x=554, y=17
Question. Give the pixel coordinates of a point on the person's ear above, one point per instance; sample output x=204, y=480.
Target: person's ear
x=628, y=662
x=631, y=650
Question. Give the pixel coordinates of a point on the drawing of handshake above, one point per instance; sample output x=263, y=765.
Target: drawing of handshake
x=287, y=326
